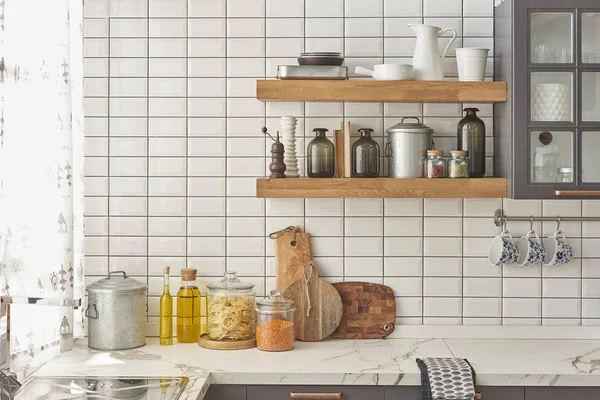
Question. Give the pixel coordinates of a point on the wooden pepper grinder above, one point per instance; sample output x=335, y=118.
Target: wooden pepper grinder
x=277, y=166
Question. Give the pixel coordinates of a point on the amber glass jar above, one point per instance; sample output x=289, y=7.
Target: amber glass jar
x=320, y=156
x=365, y=156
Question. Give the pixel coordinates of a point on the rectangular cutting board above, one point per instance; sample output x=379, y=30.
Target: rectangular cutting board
x=369, y=310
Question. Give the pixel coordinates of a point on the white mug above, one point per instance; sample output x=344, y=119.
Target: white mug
x=471, y=63
x=388, y=72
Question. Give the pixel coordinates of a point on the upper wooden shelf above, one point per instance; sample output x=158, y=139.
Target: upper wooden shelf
x=370, y=91
x=381, y=188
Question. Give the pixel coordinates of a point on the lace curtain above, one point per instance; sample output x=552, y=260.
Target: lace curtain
x=41, y=173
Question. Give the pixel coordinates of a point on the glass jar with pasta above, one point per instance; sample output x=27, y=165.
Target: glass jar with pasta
x=231, y=309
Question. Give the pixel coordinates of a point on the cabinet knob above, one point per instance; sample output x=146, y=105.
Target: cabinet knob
x=316, y=396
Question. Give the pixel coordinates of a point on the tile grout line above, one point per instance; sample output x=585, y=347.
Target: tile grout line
x=147, y=151
x=108, y=151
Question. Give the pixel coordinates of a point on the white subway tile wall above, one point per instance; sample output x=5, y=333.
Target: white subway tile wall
x=174, y=145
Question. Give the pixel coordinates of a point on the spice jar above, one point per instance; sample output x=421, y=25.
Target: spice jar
x=564, y=175
x=275, y=329
x=458, y=165
x=436, y=165
x=231, y=314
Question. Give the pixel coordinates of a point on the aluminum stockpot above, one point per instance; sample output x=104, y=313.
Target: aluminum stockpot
x=406, y=148
x=116, y=313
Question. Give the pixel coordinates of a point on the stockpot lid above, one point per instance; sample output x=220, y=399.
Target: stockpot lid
x=117, y=282
x=414, y=127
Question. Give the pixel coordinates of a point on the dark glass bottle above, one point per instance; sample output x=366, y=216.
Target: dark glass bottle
x=471, y=138
x=320, y=153
x=365, y=156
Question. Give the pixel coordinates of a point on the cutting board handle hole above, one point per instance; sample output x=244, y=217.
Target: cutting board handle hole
x=293, y=243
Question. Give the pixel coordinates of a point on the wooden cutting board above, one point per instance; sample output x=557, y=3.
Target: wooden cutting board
x=368, y=309
x=292, y=252
x=325, y=310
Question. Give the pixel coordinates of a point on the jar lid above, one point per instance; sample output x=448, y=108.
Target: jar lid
x=458, y=153
x=116, y=283
x=230, y=283
x=565, y=170
x=275, y=302
x=435, y=152
x=416, y=127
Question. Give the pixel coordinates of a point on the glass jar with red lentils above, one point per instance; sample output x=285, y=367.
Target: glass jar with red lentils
x=275, y=330
x=436, y=165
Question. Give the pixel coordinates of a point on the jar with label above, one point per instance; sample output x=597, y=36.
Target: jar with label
x=275, y=329
x=458, y=165
x=231, y=314
x=564, y=175
x=436, y=165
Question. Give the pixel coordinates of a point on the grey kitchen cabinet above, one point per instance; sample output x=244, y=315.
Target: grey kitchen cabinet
x=562, y=393
x=501, y=393
x=402, y=393
x=226, y=392
x=275, y=392
x=547, y=135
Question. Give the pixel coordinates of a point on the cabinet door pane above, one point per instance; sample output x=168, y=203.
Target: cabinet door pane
x=590, y=161
x=551, y=38
x=551, y=96
x=551, y=155
x=590, y=96
x=590, y=38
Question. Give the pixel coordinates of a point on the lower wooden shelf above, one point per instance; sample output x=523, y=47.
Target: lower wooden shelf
x=381, y=188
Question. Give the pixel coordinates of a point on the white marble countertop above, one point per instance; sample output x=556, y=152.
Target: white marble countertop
x=497, y=362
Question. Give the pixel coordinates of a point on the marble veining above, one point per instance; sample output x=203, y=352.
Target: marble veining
x=498, y=362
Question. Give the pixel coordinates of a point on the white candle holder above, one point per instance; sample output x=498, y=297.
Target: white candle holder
x=288, y=138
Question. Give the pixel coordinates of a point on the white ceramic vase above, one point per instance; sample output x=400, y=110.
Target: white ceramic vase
x=288, y=138
x=550, y=102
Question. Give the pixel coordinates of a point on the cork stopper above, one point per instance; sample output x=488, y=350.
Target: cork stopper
x=166, y=270
x=458, y=153
x=435, y=152
x=188, y=274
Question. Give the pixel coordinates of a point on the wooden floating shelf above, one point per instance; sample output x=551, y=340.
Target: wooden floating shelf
x=381, y=188
x=369, y=91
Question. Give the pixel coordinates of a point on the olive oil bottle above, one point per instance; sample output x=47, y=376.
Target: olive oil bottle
x=166, y=312
x=188, y=308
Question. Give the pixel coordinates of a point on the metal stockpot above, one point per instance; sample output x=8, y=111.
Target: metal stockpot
x=406, y=148
x=116, y=313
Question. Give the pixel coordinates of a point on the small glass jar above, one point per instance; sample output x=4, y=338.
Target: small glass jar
x=458, y=166
x=275, y=330
x=231, y=305
x=436, y=165
x=564, y=175
x=365, y=156
x=320, y=156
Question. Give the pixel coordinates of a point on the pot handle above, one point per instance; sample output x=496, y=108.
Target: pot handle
x=363, y=71
x=88, y=312
x=117, y=272
x=417, y=118
x=388, y=149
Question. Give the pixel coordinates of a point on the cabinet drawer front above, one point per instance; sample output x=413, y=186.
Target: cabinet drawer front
x=283, y=392
x=226, y=392
x=402, y=393
x=501, y=393
x=562, y=393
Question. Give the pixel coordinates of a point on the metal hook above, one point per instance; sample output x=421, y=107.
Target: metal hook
x=531, y=222
x=504, y=223
x=558, y=223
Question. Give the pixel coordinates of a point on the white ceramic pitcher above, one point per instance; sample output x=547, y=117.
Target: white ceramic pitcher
x=427, y=60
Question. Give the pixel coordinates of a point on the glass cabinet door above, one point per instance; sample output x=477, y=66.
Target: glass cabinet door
x=552, y=96
x=590, y=96
x=590, y=160
x=551, y=156
x=551, y=37
x=590, y=38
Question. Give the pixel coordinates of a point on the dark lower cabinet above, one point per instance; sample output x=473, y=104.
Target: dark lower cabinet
x=282, y=392
x=562, y=393
x=228, y=392
x=501, y=393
